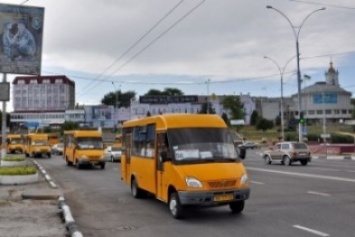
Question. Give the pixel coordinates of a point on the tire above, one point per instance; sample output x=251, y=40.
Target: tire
x=27, y=155
x=135, y=190
x=175, y=207
x=237, y=207
x=286, y=160
x=112, y=160
x=68, y=162
x=304, y=162
x=267, y=160
x=49, y=155
x=77, y=165
x=102, y=166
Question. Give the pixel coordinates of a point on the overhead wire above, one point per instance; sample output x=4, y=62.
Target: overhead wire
x=138, y=41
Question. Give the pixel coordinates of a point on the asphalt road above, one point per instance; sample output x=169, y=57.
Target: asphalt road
x=314, y=200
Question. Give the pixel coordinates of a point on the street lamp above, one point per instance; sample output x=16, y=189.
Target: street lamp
x=296, y=31
x=282, y=71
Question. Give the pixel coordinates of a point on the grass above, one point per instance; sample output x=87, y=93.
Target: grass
x=18, y=170
x=250, y=133
x=14, y=158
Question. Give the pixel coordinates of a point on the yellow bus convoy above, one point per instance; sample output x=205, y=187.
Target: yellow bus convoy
x=36, y=145
x=183, y=160
x=84, y=147
x=14, y=143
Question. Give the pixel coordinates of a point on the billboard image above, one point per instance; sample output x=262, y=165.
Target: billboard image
x=21, y=31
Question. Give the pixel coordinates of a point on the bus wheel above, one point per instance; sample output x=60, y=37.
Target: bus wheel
x=135, y=190
x=237, y=207
x=175, y=207
x=78, y=165
x=102, y=166
x=68, y=162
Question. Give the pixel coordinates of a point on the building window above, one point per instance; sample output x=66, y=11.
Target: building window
x=311, y=112
x=319, y=111
x=343, y=111
x=328, y=111
x=336, y=111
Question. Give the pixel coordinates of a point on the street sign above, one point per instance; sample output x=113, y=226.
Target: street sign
x=325, y=135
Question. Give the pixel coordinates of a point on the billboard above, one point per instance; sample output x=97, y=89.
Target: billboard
x=167, y=99
x=21, y=32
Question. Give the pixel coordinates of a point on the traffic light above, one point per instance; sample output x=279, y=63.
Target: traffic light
x=302, y=120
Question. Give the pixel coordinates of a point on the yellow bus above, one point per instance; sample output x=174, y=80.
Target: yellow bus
x=83, y=147
x=53, y=138
x=14, y=143
x=36, y=145
x=183, y=160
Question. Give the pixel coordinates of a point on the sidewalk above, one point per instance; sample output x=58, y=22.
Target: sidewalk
x=35, y=210
x=334, y=157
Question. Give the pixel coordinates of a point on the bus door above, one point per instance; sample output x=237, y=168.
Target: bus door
x=162, y=146
x=126, y=171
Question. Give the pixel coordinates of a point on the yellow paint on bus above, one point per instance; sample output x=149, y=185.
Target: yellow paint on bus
x=184, y=160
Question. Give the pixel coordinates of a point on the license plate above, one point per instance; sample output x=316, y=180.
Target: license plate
x=223, y=197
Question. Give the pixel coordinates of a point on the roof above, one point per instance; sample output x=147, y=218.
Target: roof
x=324, y=87
x=40, y=79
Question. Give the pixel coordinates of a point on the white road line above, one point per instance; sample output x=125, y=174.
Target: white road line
x=316, y=232
x=318, y=193
x=254, y=182
x=317, y=168
x=350, y=171
x=304, y=175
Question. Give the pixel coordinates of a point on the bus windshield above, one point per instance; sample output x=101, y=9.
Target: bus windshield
x=191, y=145
x=16, y=140
x=90, y=143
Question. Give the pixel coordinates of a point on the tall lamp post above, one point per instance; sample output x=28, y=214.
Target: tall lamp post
x=282, y=71
x=296, y=31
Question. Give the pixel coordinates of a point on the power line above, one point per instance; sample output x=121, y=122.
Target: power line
x=323, y=4
x=161, y=35
x=140, y=39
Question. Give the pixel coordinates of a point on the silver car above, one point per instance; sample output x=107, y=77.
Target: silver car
x=288, y=153
x=113, y=153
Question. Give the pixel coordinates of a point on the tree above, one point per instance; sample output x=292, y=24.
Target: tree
x=123, y=99
x=166, y=91
x=7, y=120
x=254, y=117
x=233, y=104
x=264, y=124
x=69, y=125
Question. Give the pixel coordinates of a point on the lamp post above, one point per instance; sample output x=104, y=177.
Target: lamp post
x=296, y=31
x=282, y=71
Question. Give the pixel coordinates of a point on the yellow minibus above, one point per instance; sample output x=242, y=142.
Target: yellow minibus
x=36, y=145
x=83, y=147
x=183, y=160
x=14, y=143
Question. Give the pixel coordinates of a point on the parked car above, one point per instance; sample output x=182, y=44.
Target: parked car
x=113, y=153
x=57, y=149
x=288, y=153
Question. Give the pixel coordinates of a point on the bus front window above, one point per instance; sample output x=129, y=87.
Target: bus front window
x=90, y=143
x=201, y=145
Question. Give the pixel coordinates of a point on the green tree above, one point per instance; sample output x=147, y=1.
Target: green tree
x=123, y=99
x=153, y=92
x=69, y=125
x=233, y=104
x=166, y=91
x=254, y=117
x=8, y=124
x=264, y=124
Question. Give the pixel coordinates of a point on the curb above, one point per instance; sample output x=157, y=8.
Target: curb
x=333, y=157
x=63, y=206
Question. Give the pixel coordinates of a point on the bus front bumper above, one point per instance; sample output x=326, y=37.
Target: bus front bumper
x=212, y=198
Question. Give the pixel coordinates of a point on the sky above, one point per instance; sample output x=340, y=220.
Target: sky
x=198, y=46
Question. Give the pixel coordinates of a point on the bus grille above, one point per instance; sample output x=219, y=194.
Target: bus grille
x=222, y=183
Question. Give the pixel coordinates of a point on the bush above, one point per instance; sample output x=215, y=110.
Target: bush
x=23, y=170
x=14, y=158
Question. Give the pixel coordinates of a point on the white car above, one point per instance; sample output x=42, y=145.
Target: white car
x=113, y=153
x=57, y=149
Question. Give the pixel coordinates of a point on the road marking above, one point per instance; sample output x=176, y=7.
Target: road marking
x=350, y=171
x=316, y=232
x=317, y=168
x=304, y=175
x=318, y=193
x=254, y=182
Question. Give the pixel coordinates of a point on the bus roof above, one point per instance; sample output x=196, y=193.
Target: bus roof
x=165, y=121
x=84, y=133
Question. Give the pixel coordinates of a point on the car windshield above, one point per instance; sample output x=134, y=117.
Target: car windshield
x=115, y=149
x=194, y=145
x=90, y=143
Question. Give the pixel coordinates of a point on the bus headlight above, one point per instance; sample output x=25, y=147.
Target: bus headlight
x=193, y=182
x=244, y=179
